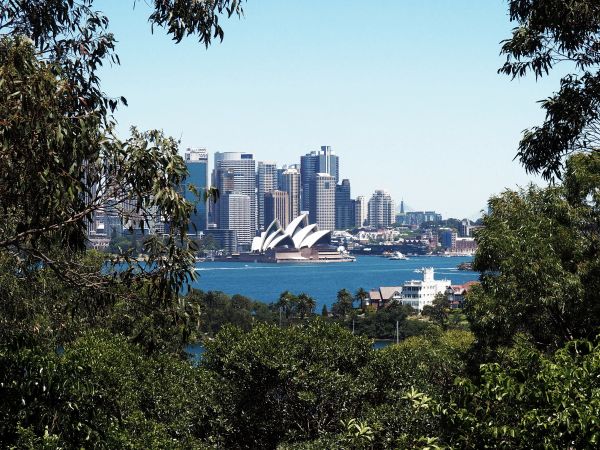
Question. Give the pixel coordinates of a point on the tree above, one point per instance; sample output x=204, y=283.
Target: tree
x=529, y=400
x=343, y=305
x=324, y=311
x=287, y=304
x=549, y=32
x=306, y=305
x=62, y=162
x=540, y=262
x=360, y=296
x=280, y=385
x=439, y=310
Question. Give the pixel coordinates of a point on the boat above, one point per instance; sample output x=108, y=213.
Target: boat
x=397, y=256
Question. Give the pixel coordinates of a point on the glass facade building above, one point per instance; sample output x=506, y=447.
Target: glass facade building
x=196, y=160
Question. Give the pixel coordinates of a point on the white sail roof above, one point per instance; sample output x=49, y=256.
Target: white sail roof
x=298, y=234
x=313, y=238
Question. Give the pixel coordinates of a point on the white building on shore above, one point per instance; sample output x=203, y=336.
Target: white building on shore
x=419, y=293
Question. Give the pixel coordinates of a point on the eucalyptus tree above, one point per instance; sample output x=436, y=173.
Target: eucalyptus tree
x=61, y=161
x=539, y=256
x=550, y=32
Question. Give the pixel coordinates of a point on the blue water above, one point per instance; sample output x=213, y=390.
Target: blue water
x=265, y=282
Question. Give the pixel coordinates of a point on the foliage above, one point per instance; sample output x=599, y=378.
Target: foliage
x=360, y=296
x=61, y=160
x=343, y=304
x=405, y=381
x=549, y=32
x=532, y=400
x=381, y=324
x=61, y=163
x=215, y=309
x=101, y=392
x=439, y=310
x=539, y=258
x=283, y=384
x=306, y=305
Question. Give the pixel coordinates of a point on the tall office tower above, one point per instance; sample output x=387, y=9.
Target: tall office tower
x=344, y=207
x=196, y=160
x=266, y=181
x=329, y=162
x=234, y=214
x=235, y=172
x=322, y=209
x=277, y=207
x=322, y=161
x=309, y=165
x=381, y=209
x=290, y=183
x=402, y=206
x=281, y=170
x=361, y=211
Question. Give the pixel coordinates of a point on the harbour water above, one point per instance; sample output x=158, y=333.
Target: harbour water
x=265, y=282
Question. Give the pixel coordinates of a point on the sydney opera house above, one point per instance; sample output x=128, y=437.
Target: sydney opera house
x=298, y=242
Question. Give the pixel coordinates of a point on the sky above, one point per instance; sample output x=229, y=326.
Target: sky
x=406, y=92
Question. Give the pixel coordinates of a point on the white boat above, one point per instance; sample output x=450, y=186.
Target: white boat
x=397, y=256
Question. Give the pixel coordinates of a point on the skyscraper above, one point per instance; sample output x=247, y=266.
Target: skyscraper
x=322, y=209
x=290, y=183
x=234, y=214
x=329, y=162
x=344, y=206
x=277, y=207
x=196, y=160
x=235, y=173
x=322, y=161
x=309, y=166
x=266, y=182
x=381, y=209
x=361, y=211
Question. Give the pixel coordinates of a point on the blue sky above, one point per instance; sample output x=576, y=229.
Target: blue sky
x=405, y=91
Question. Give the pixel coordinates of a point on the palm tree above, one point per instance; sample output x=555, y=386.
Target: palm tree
x=360, y=296
x=287, y=303
x=306, y=305
x=343, y=305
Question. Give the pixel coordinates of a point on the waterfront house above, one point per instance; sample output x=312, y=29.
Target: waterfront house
x=457, y=293
x=382, y=296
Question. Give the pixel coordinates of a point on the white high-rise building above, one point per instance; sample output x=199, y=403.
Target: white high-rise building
x=290, y=183
x=381, y=209
x=361, y=213
x=266, y=182
x=322, y=211
x=235, y=172
x=420, y=293
x=234, y=214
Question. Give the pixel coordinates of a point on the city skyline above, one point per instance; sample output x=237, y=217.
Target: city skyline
x=406, y=110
